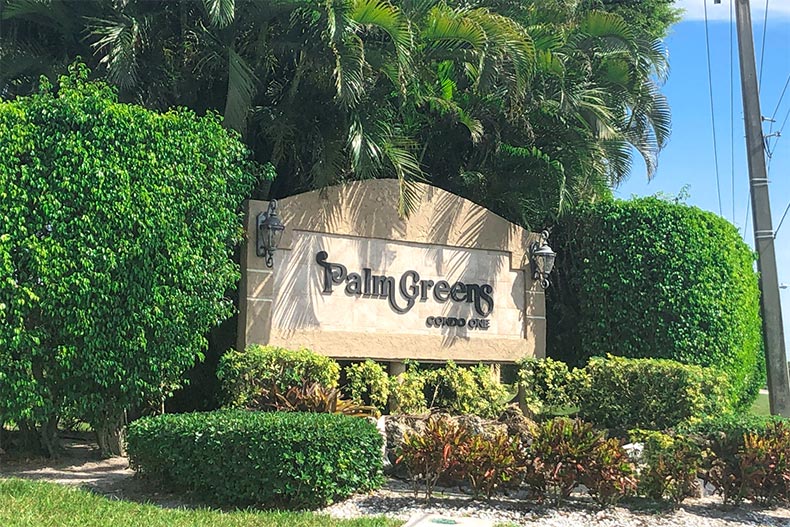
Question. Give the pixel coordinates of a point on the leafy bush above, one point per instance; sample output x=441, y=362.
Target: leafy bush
x=754, y=465
x=453, y=453
x=549, y=386
x=407, y=390
x=368, y=383
x=610, y=475
x=653, y=394
x=117, y=227
x=731, y=425
x=456, y=389
x=247, y=376
x=433, y=453
x=566, y=452
x=236, y=457
x=650, y=279
x=461, y=390
x=488, y=463
x=672, y=464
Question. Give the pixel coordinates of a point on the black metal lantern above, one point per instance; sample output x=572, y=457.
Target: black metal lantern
x=541, y=259
x=270, y=230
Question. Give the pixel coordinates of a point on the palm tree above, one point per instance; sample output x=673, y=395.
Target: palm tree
x=522, y=106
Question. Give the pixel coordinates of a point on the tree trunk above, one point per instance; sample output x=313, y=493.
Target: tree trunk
x=29, y=438
x=49, y=437
x=110, y=436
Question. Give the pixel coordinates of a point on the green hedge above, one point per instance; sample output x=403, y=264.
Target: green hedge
x=240, y=458
x=117, y=233
x=653, y=394
x=646, y=278
x=245, y=374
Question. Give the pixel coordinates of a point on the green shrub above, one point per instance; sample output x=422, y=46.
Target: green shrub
x=549, y=386
x=655, y=394
x=406, y=390
x=117, y=230
x=368, y=383
x=646, y=278
x=731, y=425
x=672, y=464
x=236, y=457
x=245, y=376
x=567, y=452
x=465, y=390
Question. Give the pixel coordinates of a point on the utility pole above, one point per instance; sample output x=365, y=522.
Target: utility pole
x=773, y=332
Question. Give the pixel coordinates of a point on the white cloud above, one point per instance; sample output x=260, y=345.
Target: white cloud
x=695, y=10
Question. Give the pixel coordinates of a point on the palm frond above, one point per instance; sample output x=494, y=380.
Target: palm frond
x=116, y=42
x=387, y=17
x=242, y=87
x=221, y=13
x=447, y=29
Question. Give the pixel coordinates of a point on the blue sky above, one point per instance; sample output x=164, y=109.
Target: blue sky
x=688, y=159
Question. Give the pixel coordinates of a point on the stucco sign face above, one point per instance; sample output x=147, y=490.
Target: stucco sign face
x=352, y=279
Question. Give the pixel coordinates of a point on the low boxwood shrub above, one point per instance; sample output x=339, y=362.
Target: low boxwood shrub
x=241, y=458
x=245, y=375
x=731, y=425
x=654, y=394
x=647, y=278
x=367, y=383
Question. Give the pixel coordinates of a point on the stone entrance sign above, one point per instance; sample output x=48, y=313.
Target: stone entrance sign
x=352, y=279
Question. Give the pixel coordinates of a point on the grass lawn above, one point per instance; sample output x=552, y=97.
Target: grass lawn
x=37, y=504
x=761, y=406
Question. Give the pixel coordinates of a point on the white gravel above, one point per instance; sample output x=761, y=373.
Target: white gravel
x=82, y=466
x=396, y=500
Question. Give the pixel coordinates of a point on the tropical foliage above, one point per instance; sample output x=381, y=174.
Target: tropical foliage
x=521, y=106
x=115, y=260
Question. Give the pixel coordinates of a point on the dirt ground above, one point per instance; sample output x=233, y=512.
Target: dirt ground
x=82, y=465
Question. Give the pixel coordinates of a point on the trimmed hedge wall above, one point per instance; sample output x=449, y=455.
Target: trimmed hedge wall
x=654, y=394
x=240, y=458
x=649, y=278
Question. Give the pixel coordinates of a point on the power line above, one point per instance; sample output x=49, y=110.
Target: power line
x=782, y=96
x=776, y=136
x=712, y=118
x=762, y=46
x=746, y=219
x=782, y=220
